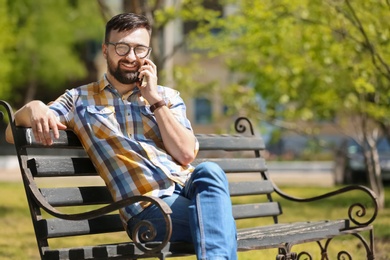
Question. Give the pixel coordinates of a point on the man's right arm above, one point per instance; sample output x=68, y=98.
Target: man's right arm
x=40, y=118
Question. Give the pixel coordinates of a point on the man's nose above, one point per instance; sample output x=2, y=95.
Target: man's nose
x=131, y=55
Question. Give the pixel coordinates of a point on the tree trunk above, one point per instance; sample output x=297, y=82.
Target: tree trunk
x=31, y=91
x=374, y=175
x=32, y=80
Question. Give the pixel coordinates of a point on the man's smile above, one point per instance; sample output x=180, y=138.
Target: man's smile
x=129, y=66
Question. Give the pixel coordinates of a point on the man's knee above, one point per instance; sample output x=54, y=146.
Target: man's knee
x=210, y=170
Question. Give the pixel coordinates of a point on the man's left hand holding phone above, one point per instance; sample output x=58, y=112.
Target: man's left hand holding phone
x=148, y=81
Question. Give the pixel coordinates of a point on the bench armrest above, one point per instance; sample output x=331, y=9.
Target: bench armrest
x=114, y=206
x=357, y=212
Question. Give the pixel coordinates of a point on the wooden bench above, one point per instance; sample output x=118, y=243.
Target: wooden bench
x=61, y=170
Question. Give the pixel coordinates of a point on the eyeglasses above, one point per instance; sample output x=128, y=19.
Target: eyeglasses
x=123, y=49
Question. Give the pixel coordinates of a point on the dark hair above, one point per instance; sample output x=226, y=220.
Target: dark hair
x=127, y=22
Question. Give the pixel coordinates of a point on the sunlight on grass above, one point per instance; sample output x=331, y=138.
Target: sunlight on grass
x=17, y=240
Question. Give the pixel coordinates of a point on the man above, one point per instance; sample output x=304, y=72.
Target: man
x=137, y=135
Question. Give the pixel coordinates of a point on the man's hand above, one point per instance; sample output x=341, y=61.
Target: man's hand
x=148, y=72
x=41, y=119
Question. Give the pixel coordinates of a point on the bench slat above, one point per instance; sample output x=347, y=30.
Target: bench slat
x=55, y=227
x=106, y=224
x=274, y=235
x=256, y=210
x=61, y=166
x=116, y=251
x=207, y=142
x=67, y=139
x=77, y=196
x=125, y=250
x=230, y=142
x=250, y=188
x=231, y=165
x=93, y=195
x=82, y=166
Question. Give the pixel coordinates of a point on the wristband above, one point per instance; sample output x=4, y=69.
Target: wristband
x=157, y=105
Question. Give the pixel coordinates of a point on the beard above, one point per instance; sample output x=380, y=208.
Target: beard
x=123, y=76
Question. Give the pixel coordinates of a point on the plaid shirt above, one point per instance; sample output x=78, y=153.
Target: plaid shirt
x=122, y=138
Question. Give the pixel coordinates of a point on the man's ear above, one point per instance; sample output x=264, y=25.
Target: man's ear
x=104, y=50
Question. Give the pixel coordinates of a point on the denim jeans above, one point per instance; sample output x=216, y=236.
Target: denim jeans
x=202, y=214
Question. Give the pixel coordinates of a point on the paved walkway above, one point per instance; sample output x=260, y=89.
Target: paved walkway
x=9, y=169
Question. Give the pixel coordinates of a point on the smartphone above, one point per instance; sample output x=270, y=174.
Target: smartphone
x=142, y=80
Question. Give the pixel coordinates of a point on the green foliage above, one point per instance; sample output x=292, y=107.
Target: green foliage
x=6, y=43
x=46, y=35
x=307, y=59
x=193, y=88
x=186, y=11
x=310, y=62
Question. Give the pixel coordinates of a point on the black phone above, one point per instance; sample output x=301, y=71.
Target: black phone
x=142, y=80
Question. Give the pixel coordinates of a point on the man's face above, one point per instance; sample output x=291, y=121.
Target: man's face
x=124, y=69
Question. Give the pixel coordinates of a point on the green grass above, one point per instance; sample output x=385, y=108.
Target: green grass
x=17, y=240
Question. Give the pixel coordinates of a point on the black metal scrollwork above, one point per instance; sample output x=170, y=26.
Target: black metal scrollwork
x=140, y=238
x=241, y=127
x=147, y=235
x=356, y=211
x=343, y=255
x=304, y=254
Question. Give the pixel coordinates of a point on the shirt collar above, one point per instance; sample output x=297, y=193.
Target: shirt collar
x=104, y=83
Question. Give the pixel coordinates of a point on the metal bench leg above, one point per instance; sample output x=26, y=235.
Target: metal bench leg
x=368, y=246
x=324, y=249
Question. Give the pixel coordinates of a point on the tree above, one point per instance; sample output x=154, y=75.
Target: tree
x=45, y=48
x=44, y=41
x=311, y=61
x=6, y=42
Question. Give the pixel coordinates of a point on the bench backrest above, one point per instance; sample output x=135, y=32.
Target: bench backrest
x=239, y=157
x=60, y=172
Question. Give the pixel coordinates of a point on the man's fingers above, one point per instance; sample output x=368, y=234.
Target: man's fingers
x=43, y=127
x=55, y=126
x=37, y=130
x=48, y=140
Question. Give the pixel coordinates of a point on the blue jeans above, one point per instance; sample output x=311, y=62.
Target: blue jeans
x=202, y=214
